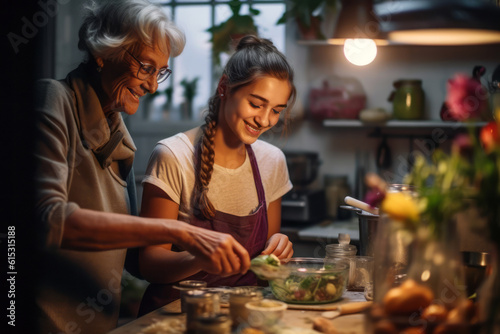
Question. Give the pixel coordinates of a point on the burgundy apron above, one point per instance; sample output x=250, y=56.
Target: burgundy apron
x=250, y=231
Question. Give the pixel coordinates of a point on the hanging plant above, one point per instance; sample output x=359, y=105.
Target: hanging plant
x=235, y=27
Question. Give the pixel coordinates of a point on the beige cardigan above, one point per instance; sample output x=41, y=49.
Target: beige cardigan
x=81, y=290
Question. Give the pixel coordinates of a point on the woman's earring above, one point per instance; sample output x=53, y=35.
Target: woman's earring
x=99, y=69
x=221, y=94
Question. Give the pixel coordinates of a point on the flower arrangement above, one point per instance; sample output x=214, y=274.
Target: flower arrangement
x=449, y=183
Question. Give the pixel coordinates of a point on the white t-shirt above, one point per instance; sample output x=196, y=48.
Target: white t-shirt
x=171, y=168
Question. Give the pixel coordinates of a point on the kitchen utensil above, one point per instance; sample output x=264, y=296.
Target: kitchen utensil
x=360, y=205
x=350, y=308
x=384, y=158
x=268, y=267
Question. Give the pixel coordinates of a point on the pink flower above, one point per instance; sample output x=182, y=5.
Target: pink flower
x=374, y=198
x=467, y=98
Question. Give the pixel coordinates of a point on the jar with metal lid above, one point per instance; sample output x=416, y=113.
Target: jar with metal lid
x=199, y=302
x=237, y=300
x=343, y=249
x=218, y=323
x=407, y=100
x=188, y=285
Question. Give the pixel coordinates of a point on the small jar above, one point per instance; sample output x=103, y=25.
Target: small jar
x=407, y=100
x=344, y=251
x=360, y=273
x=188, y=285
x=213, y=324
x=198, y=303
x=237, y=300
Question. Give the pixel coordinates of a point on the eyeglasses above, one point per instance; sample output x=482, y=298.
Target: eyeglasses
x=147, y=70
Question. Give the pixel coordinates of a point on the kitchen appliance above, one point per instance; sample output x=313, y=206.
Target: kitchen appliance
x=303, y=204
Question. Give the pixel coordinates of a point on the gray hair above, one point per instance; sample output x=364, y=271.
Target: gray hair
x=109, y=26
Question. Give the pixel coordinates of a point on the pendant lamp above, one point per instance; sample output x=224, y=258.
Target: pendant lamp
x=440, y=22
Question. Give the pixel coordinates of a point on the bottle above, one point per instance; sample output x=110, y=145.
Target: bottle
x=336, y=189
x=407, y=100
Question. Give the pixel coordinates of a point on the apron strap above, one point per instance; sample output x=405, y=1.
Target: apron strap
x=256, y=177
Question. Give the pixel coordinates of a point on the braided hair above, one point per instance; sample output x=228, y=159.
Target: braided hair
x=254, y=58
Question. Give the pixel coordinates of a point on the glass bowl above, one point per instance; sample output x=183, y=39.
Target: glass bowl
x=311, y=280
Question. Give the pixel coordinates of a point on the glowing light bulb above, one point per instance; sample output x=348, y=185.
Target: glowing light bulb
x=360, y=51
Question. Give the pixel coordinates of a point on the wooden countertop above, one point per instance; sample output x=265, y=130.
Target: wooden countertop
x=294, y=320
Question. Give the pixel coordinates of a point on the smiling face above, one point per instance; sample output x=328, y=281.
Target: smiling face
x=120, y=84
x=253, y=109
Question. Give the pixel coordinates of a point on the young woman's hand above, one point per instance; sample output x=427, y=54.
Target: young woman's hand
x=279, y=245
x=218, y=253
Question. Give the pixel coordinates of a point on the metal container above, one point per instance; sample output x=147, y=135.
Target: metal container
x=476, y=269
x=367, y=230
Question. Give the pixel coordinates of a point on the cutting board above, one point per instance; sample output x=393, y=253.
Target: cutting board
x=347, y=298
x=329, y=306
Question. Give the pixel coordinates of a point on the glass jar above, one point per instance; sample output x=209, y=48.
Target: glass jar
x=213, y=324
x=237, y=300
x=188, y=285
x=407, y=100
x=198, y=303
x=344, y=251
x=418, y=280
x=360, y=273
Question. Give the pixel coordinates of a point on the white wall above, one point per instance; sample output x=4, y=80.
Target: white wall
x=338, y=147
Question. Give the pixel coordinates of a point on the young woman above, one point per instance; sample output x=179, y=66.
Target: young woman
x=220, y=176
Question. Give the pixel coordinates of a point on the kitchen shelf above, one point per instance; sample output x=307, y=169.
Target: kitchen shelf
x=352, y=123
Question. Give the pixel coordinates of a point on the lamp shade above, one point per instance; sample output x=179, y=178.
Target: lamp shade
x=440, y=22
x=357, y=20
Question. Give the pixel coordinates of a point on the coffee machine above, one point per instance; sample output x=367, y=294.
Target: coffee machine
x=303, y=204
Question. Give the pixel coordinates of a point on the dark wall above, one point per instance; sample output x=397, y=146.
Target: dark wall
x=27, y=51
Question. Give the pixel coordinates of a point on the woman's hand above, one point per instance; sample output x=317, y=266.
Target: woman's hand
x=218, y=253
x=279, y=245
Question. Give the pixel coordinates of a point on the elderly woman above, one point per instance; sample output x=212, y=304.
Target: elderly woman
x=85, y=184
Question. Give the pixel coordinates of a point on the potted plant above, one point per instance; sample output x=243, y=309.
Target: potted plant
x=189, y=94
x=308, y=15
x=235, y=27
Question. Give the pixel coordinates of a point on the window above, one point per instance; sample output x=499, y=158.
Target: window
x=195, y=64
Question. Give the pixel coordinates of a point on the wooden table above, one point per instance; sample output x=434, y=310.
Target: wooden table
x=293, y=318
